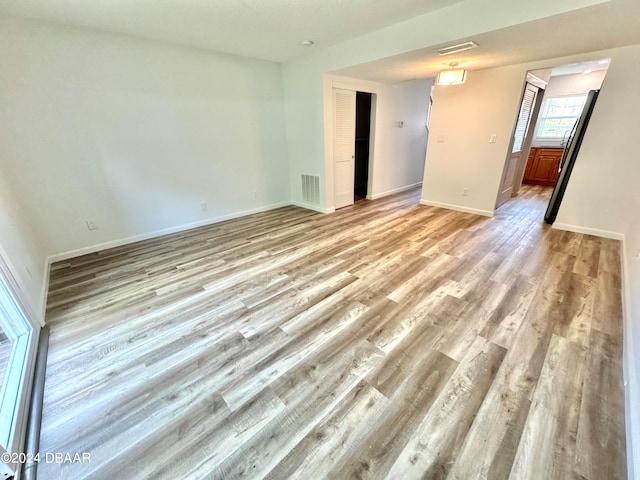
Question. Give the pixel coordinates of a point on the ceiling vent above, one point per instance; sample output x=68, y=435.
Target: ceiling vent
x=461, y=47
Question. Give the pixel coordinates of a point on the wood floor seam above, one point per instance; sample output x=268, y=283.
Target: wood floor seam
x=387, y=340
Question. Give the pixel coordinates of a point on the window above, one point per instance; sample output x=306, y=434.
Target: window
x=559, y=114
x=18, y=342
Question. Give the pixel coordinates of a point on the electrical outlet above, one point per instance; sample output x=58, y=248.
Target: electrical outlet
x=465, y=192
x=204, y=206
x=91, y=225
x=255, y=193
x=493, y=138
x=440, y=138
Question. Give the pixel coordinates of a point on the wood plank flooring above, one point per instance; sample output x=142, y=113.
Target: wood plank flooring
x=387, y=340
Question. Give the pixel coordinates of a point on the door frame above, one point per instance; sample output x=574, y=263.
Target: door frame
x=329, y=83
x=371, y=98
x=24, y=331
x=344, y=152
x=526, y=145
x=528, y=140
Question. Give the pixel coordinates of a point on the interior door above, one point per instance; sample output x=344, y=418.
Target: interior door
x=569, y=157
x=513, y=160
x=344, y=140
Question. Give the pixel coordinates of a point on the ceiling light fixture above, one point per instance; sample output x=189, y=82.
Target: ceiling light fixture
x=460, y=47
x=306, y=43
x=453, y=76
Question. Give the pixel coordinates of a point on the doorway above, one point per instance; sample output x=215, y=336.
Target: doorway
x=362, y=148
x=352, y=126
x=562, y=100
x=520, y=142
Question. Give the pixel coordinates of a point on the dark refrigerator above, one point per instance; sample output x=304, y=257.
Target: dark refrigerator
x=569, y=157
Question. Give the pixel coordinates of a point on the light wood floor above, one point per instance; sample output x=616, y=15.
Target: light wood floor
x=387, y=340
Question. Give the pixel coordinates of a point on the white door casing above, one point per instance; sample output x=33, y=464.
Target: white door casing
x=522, y=125
x=23, y=332
x=509, y=177
x=344, y=139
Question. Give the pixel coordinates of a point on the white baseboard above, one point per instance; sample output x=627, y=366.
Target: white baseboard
x=311, y=206
x=588, y=231
x=376, y=196
x=460, y=208
x=631, y=376
x=159, y=233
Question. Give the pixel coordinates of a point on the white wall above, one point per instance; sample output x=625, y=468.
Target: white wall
x=134, y=134
x=303, y=83
x=459, y=155
x=22, y=250
x=631, y=261
x=399, y=153
x=604, y=179
x=568, y=85
x=574, y=84
x=603, y=197
x=632, y=334
x=466, y=115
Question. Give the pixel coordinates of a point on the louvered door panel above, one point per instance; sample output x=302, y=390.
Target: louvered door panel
x=344, y=132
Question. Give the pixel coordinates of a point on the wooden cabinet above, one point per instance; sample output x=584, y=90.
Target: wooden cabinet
x=542, y=166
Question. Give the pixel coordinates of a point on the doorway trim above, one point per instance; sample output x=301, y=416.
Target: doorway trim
x=23, y=328
x=528, y=141
x=515, y=178
x=329, y=83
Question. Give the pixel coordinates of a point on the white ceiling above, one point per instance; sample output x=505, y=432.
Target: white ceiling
x=604, y=26
x=266, y=29
x=273, y=29
x=581, y=67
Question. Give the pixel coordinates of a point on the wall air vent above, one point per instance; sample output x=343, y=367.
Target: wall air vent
x=461, y=47
x=311, y=189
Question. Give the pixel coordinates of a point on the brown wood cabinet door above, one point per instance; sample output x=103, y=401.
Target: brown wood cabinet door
x=556, y=168
x=542, y=167
x=530, y=160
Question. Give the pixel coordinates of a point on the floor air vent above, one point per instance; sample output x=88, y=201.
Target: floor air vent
x=311, y=188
